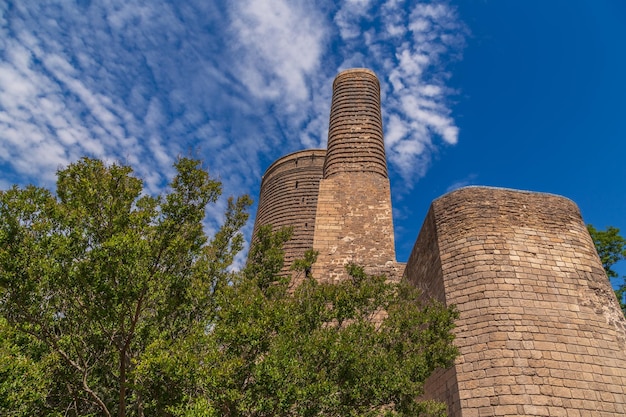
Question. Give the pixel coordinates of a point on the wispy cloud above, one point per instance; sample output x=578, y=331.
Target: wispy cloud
x=408, y=44
x=468, y=180
x=282, y=44
x=236, y=83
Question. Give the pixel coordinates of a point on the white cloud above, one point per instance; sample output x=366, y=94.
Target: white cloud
x=396, y=130
x=80, y=87
x=235, y=83
x=282, y=43
x=348, y=18
x=393, y=18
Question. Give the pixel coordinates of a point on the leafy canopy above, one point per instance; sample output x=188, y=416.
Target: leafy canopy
x=100, y=272
x=363, y=347
x=115, y=302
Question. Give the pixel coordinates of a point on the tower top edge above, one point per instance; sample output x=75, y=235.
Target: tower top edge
x=292, y=156
x=487, y=188
x=356, y=71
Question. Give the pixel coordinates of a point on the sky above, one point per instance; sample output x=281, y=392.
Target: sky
x=518, y=94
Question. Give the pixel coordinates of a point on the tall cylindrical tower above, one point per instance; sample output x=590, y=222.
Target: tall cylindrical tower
x=355, y=132
x=289, y=198
x=353, y=221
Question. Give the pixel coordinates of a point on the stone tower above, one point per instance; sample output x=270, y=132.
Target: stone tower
x=353, y=221
x=288, y=198
x=540, y=330
x=338, y=200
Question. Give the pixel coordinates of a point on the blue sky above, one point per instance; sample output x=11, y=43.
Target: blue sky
x=519, y=94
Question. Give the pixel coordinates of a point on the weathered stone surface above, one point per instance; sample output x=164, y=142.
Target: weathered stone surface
x=354, y=224
x=540, y=331
x=354, y=220
x=289, y=198
x=355, y=131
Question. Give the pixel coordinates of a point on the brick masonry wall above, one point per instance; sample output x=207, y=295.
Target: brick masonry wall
x=540, y=332
x=354, y=224
x=288, y=197
x=354, y=220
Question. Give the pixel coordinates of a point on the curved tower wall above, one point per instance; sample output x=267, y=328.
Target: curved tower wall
x=288, y=197
x=354, y=221
x=540, y=331
x=355, y=131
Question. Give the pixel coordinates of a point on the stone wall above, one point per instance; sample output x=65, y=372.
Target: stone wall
x=540, y=331
x=354, y=224
x=288, y=197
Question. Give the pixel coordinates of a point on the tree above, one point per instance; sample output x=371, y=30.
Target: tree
x=363, y=347
x=115, y=302
x=611, y=247
x=101, y=272
x=24, y=373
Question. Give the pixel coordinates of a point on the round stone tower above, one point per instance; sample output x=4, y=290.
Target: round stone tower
x=355, y=131
x=353, y=221
x=338, y=200
x=289, y=198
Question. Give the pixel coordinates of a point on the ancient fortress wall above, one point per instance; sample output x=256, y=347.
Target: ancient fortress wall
x=288, y=198
x=540, y=331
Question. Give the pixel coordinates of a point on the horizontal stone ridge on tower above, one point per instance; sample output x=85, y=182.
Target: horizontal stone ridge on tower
x=540, y=330
x=355, y=132
x=288, y=197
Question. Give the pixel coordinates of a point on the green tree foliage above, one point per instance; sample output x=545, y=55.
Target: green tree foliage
x=363, y=347
x=100, y=272
x=114, y=302
x=611, y=247
x=24, y=374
